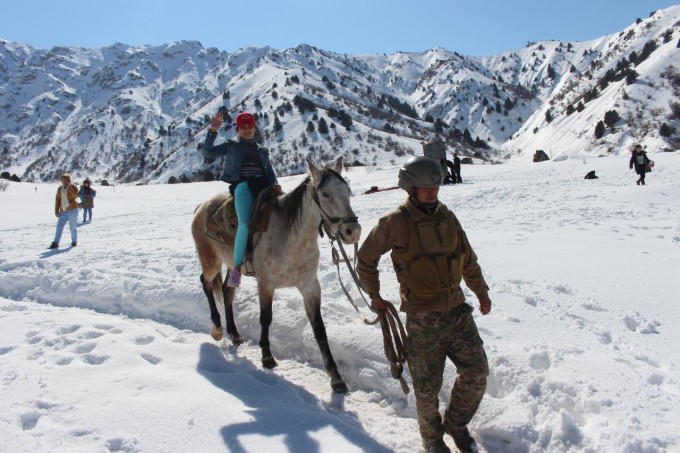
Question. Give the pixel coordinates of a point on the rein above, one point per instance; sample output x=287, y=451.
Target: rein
x=394, y=336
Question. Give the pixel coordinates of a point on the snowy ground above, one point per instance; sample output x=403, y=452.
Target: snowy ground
x=105, y=347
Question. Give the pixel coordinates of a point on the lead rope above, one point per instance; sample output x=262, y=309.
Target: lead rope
x=394, y=335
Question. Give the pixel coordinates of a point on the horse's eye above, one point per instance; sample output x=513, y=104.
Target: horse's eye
x=325, y=194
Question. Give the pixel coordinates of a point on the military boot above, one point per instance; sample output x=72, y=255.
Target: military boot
x=435, y=446
x=464, y=441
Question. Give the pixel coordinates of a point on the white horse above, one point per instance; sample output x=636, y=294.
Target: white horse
x=286, y=255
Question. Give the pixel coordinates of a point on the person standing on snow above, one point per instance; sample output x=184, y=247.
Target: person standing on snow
x=247, y=170
x=66, y=210
x=640, y=160
x=456, y=169
x=431, y=254
x=448, y=170
x=87, y=194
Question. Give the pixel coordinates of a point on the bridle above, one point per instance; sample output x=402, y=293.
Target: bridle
x=394, y=336
x=327, y=222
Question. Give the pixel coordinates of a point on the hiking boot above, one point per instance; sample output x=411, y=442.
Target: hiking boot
x=436, y=446
x=54, y=245
x=73, y=244
x=234, y=279
x=464, y=441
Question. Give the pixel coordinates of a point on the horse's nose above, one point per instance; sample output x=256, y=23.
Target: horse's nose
x=351, y=233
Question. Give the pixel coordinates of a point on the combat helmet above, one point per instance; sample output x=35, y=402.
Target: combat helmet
x=420, y=171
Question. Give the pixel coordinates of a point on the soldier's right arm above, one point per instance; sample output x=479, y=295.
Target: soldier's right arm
x=376, y=244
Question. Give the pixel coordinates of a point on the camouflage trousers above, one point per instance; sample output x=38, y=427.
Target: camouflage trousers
x=432, y=337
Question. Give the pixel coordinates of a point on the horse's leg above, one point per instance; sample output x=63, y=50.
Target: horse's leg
x=228, y=295
x=266, y=298
x=312, y=297
x=217, y=331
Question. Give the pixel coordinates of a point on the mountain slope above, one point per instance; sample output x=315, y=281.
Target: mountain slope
x=129, y=114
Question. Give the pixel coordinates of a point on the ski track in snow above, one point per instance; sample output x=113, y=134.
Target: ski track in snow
x=581, y=349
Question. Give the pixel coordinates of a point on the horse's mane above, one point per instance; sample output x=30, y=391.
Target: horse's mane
x=290, y=205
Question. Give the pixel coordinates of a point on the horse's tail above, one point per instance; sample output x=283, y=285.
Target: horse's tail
x=217, y=288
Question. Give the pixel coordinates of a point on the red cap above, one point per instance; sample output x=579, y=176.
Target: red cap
x=245, y=118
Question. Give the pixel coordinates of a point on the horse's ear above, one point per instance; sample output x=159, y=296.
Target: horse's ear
x=338, y=165
x=314, y=171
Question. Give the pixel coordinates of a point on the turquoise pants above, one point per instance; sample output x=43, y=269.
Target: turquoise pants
x=243, y=199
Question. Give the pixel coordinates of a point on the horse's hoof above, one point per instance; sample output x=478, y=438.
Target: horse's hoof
x=216, y=333
x=237, y=340
x=269, y=362
x=339, y=387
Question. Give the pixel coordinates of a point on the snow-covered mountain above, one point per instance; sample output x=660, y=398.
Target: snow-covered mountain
x=139, y=114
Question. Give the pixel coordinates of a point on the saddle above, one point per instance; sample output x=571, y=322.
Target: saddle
x=221, y=225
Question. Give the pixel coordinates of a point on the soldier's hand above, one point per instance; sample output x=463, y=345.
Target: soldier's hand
x=485, y=305
x=378, y=304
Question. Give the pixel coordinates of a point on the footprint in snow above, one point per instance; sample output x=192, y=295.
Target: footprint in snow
x=531, y=300
x=540, y=361
x=563, y=289
x=33, y=337
x=92, y=359
x=91, y=335
x=152, y=359
x=84, y=348
x=637, y=323
x=68, y=329
x=144, y=340
x=604, y=337
x=121, y=444
x=61, y=361
x=592, y=307
x=29, y=420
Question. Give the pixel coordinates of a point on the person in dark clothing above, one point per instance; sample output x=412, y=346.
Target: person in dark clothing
x=87, y=194
x=456, y=169
x=247, y=170
x=640, y=161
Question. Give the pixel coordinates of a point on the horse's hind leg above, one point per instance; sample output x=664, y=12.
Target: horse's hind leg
x=312, y=297
x=217, y=331
x=228, y=296
x=266, y=298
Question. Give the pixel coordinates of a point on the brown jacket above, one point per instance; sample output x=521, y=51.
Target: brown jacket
x=71, y=195
x=430, y=255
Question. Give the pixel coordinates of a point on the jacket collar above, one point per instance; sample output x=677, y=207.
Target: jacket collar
x=418, y=214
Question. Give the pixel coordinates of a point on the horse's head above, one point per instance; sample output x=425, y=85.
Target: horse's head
x=332, y=194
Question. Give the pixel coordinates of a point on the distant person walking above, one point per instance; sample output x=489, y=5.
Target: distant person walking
x=66, y=210
x=456, y=169
x=87, y=194
x=640, y=161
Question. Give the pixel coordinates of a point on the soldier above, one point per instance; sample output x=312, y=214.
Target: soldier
x=431, y=254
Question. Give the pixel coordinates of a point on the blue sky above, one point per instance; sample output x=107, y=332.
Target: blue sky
x=471, y=27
